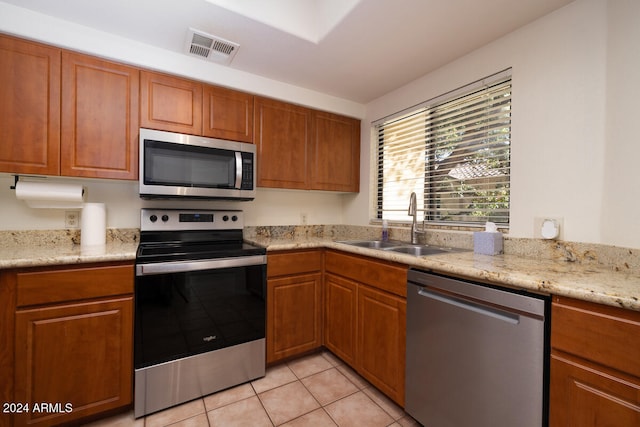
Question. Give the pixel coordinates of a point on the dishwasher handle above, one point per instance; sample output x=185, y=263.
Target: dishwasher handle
x=471, y=306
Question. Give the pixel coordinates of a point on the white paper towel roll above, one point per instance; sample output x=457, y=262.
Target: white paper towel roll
x=50, y=194
x=93, y=224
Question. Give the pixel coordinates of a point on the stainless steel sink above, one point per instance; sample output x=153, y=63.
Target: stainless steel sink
x=400, y=247
x=419, y=250
x=373, y=244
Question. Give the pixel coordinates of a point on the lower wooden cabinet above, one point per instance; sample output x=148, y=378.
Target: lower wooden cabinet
x=382, y=339
x=365, y=318
x=340, y=311
x=294, y=303
x=584, y=395
x=595, y=365
x=73, y=360
x=71, y=342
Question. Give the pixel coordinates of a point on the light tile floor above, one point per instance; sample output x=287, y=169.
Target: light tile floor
x=316, y=390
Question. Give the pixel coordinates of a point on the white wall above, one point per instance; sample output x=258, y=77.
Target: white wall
x=621, y=195
x=271, y=207
x=565, y=122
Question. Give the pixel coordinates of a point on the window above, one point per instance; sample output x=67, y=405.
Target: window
x=453, y=152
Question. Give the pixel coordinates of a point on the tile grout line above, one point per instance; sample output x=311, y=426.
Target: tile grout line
x=334, y=364
x=262, y=404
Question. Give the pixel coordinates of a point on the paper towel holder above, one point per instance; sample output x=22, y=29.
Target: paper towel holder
x=16, y=178
x=15, y=182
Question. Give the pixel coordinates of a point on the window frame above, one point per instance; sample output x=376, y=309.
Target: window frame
x=428, y=108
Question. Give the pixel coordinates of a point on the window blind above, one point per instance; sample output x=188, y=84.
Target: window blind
x=454, y=153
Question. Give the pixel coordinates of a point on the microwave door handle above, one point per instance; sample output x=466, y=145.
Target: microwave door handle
x=238, y=169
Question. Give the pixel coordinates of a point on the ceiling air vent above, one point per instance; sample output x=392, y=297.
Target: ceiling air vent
x=210, y=47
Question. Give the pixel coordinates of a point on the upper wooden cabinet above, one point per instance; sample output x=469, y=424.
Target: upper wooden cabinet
x=63, y=113
x=29, y=107
x=282, y=133
x=99, y=118
x=180, y=105
x=170, y=103
x=300, y=148
x=227, y=114
x=335, y=153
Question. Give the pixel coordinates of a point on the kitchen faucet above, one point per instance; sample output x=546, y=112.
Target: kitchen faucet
x=413, y=211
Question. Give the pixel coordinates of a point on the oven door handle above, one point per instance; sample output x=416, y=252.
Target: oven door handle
x=210, y=264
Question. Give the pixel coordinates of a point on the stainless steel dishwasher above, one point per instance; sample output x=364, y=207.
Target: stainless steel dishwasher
x=476, y=355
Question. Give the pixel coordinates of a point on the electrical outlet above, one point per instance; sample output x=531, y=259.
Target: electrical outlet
x=71, y=219
x=303, y=218
x=537, y=226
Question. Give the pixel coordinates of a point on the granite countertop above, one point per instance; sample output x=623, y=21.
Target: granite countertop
x=58, y=247
x=574, y=272
x=588, y=282
x=34, y=256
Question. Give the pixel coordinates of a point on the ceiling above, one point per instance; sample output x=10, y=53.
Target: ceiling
x=353, y=49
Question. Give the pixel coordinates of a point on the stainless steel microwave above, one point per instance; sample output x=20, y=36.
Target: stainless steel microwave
x=177, y=165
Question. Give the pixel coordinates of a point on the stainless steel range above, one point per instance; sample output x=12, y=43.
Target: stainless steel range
x=200, y=299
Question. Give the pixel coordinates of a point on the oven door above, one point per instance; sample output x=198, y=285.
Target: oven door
x=189, y=307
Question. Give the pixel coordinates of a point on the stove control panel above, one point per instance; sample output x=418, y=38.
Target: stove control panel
x=190, y=219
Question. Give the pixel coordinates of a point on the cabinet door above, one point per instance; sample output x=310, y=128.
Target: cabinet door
x=595, y=369
x=99, y=118
x=584, y=396
x=335, y=153
x=294, y=315
x=282, y=132
x=170, y=103
x=29, y=107
x=601, y=334
x=340, y=317
x=381, y=340
x=76, y=356
x=227, y=114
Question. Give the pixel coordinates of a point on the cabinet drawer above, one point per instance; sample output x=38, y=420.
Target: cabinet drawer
x=386, y=276
x=601, y=334
x=287, y=263
x=72, y=284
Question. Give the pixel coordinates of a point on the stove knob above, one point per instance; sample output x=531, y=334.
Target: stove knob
x=225, y=218
x=165, y=218
x=234, y=218
x=153, y=218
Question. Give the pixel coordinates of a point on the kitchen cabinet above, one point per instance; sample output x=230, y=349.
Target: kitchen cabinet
x=227, y=114
x=29, y=107
x=170, y=103
x=99, y=118
x=72, y=341
x=63, y=113
x=294, y=301
x=365, y=318
x=340, y=308
x=175, y=104
x=595, y=369
x=335, y=153
x=282, y=132
x=381, y=340
x=301, y=148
